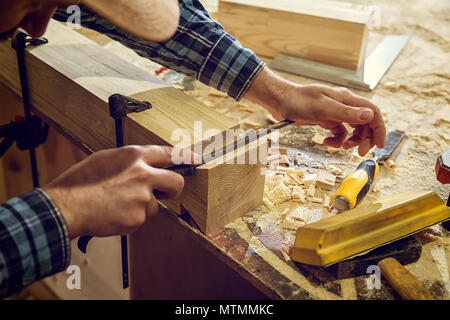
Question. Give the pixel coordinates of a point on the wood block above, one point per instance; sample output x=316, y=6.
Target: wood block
x=70, y=81
x=220, y=192
x=323, y=31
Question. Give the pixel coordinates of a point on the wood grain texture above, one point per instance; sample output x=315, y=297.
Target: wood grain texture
x=225, y=191
x=336, y=35
x=403, y=282
x=71, y=79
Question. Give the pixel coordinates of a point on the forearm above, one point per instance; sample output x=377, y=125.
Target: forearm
x=200, y=48
x=34, y=241
x=268, y=90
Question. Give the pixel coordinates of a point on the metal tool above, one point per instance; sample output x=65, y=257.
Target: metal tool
x=119, y=107
x=357, y=184
x=189, y=170
x=358, y=231
x=19, y=43
x=366, y=78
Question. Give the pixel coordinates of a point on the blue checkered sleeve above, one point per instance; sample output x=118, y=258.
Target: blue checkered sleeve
x=200, y=48
x=34, y=241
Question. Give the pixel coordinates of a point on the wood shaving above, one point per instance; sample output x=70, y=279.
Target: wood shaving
x=325, y=180
x=326, y=203
x=298, y=194
x=218, y=94
x=292, y=224
x=275, y=189
x=251, y=124
x=300, y=213
x=316, y=200
x=332, y=150
x=295, y=178
x=318, y=138
x=267, y=202
x=280, y=150
x=335, y=170
x=210, y=104
x=244, y=107
x=309, y=179
x=311, y=191
x=271, y=119
x=389, y=164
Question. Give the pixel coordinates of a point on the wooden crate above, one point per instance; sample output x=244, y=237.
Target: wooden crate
x=330, y=32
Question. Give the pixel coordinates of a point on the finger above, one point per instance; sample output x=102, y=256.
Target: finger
x=339, y=112
x=339, y=132
x=355, y=139
x=152, y=207
x=163, y=156
x=168, y=183
x=377, y=124
x=366, y=143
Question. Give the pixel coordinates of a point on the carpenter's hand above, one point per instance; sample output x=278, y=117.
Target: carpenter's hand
x=324, y=106
x=112, y=191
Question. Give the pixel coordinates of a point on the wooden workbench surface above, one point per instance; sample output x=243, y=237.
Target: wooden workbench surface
x=414, y=96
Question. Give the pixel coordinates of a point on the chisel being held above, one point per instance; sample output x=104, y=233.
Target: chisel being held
x=357, y=184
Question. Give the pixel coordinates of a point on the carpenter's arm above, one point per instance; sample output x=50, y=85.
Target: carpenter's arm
x=202, y=49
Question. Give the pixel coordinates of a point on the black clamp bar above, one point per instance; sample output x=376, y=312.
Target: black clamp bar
x=119, y=107
x=30, y=132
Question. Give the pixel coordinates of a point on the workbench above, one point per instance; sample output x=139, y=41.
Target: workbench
x=171, y=259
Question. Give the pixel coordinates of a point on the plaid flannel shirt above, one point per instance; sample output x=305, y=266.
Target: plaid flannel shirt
x=200, y=48
x=34, y=240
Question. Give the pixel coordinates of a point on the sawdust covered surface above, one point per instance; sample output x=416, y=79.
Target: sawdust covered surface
x=414, y=96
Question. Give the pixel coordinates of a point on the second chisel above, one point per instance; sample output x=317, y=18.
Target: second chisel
x=357, y=184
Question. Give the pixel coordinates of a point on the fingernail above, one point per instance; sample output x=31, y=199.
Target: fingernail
x=365, y=114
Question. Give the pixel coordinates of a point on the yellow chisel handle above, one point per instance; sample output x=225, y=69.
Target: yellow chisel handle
x=355, y=186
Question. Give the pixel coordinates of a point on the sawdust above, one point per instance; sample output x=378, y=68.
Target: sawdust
x=414, y=96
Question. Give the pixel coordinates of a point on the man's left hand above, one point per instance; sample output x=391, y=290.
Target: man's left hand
x=324, y=106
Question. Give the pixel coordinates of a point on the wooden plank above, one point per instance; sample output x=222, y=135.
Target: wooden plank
x=325, y=32
x=71, y=79
x=225, y=191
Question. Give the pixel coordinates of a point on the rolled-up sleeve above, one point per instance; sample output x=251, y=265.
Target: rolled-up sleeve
x=34, y=241
x=200, y=48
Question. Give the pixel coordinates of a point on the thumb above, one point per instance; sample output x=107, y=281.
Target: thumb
x=340, y=112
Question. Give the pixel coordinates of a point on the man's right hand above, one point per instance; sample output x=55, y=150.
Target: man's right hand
x=112, y=191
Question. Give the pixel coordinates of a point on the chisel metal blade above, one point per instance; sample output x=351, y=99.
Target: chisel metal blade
x=393, y=139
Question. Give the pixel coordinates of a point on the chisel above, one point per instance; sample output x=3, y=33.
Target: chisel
x=189, y=169
x=357, y=184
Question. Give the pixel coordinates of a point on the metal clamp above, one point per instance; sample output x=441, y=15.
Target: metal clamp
x=119, y=107
x=30, y=133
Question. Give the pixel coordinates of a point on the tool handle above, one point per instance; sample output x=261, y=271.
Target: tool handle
x=402, y=281
x=355, y=186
